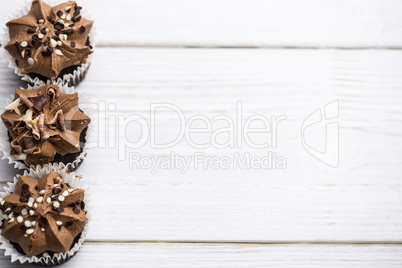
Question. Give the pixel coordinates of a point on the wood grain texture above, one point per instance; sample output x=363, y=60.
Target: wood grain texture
x=309, y=201
x=231, y=256
x=245, y=23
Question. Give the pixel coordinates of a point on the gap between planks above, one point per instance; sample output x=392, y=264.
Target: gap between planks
x=251, y=243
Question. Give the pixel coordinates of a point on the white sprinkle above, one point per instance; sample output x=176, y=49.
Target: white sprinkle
x=25, y=235
x=7, y=210
x=49, y=200
x=54, y=42
x=41, y=21
x=31, y=212
x=41, y=35
x=63, y=16
x=58, y=52
x=66, y=25
x=20, y=219
x=30, y=231
x=37, y=29
x=65, y=193
x=23, y=54
x=47, y=30
x=24, y=43
x=2, y=202
x=30, y=204
x=68, y=8
x=44, y=48
x=33, y=223
x=42, y=229
x=40, y=199
x=42, y=192
x=45, y=255
x=68, y=17
x=55, y=185
x=31, y=61
x=56, y=204
x=70, y=190
x=11, y=215
x=24, y=212
x=31, y=200
x=35, y=205
x=10, y=221
x=61, y=198
x=59, y=43
x=28, y=224
x=6, y=217
x=61, y=21
x=59, y=223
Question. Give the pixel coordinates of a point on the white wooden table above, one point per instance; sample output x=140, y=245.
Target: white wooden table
x=277, y=57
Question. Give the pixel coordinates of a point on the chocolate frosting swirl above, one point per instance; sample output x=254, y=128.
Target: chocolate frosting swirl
x=49, y=39
x=43, y=123
x=43, y=215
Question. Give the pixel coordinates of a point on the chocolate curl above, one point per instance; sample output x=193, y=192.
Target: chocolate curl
x=26, y=101
x=29, y=142
x=53, y=94
x=60, y=120
x=39, y=102
x=47, y=134
x=41, y=123
x=15, y=146
x=34, y=150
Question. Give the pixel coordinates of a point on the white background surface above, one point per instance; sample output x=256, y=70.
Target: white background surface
x=204, y=57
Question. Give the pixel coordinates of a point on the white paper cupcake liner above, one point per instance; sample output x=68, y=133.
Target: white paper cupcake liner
x=76, y=183
x=69, y=79
x=5, y=146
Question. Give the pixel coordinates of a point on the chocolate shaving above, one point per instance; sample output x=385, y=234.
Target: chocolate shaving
x=26, y=101
x=39, y=102
x=69, y=223
x=35, y=150
x=59, y=13
x=15, y=146
x=23, y=199
x=41, y=123
x=76, y=211
x=82, y=29
x=29, y=142
x=72, y=44
x=60, y=120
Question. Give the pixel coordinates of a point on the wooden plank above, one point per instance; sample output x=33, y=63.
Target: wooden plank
x=195, y=256
x=309, y=201
x=245, y=23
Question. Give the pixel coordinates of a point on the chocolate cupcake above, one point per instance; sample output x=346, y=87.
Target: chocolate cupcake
x=48, y=43
x=44, y=217
x=45, y=126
